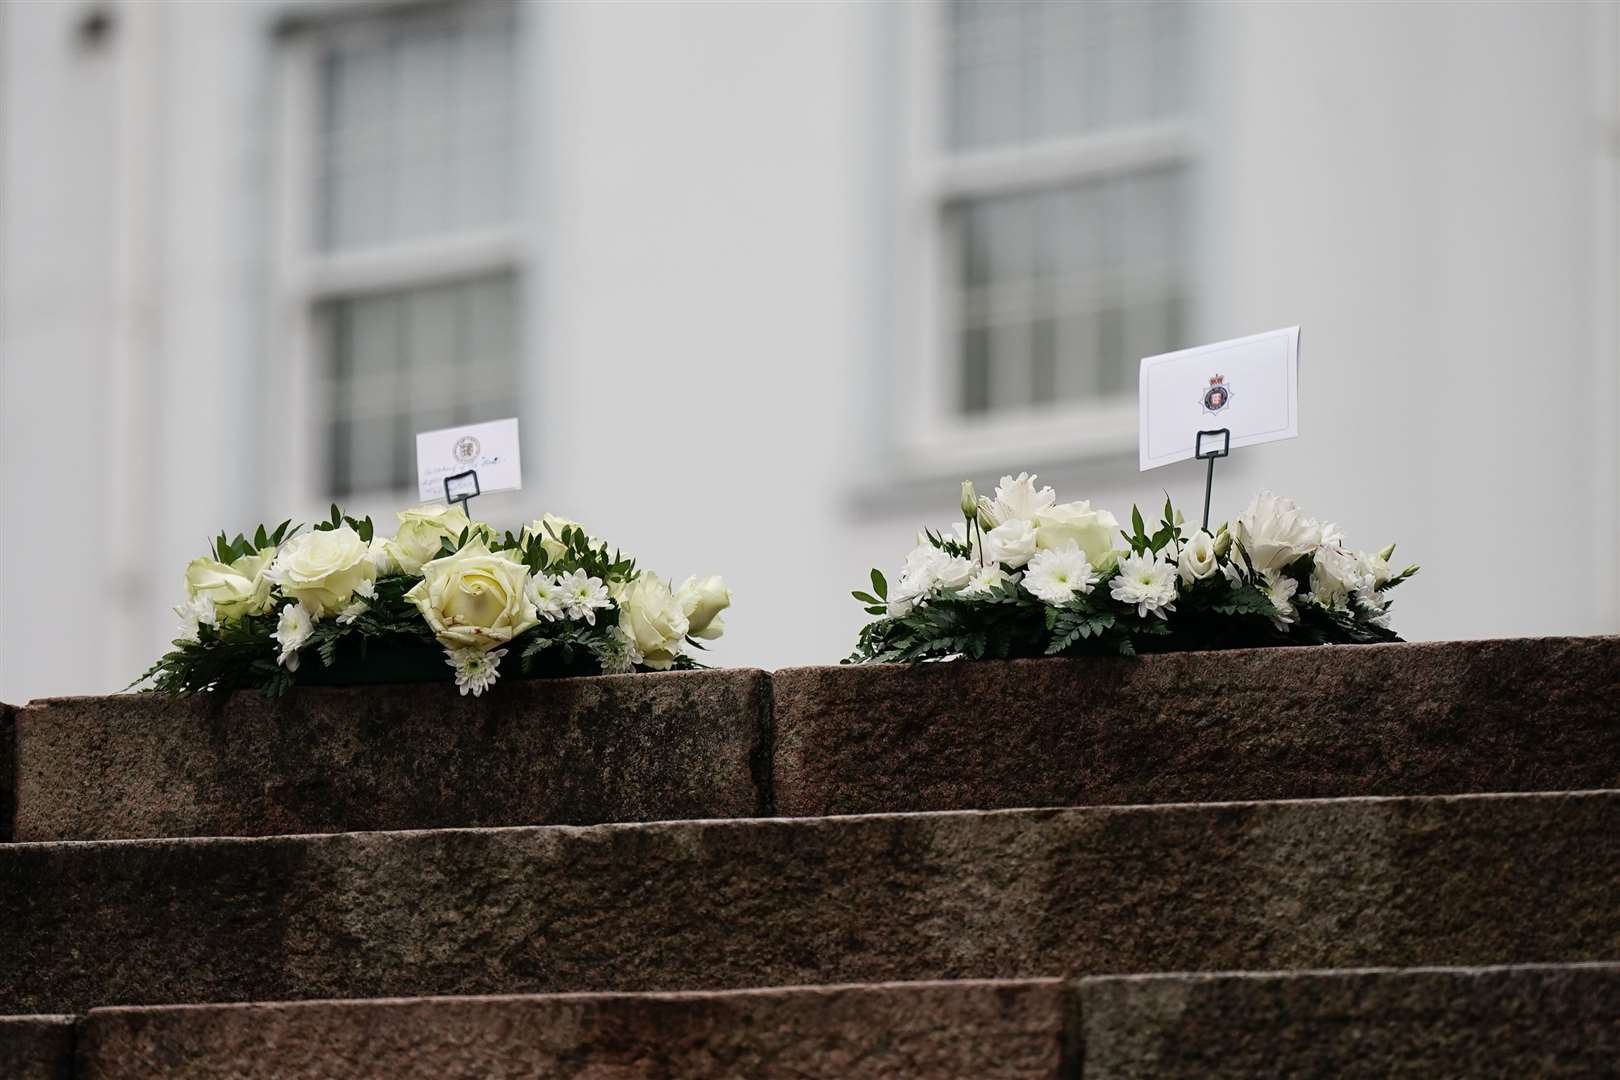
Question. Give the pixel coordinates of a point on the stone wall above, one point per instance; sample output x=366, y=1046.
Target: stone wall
x=1406, y=719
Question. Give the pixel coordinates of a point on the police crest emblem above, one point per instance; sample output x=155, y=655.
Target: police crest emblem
x=1218, y=396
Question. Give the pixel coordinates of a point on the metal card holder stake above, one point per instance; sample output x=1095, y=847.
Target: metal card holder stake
x=461, y=488
x=1210, y=455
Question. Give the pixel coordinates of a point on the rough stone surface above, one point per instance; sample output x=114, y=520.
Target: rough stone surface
x=1507, y=1021
x=936, y=1031
x=563, y=751
x=36, y=1047
x=8, y=772
x=705, y=905
x=1424, y=719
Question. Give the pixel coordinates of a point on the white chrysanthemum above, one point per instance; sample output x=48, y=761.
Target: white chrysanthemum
x=1056, y=575
x=292, y=631
x=620, y=655
x=927, y=568
x=1017, y=499
x=353, y=612
x=1146, y=581
x=1374, y=605
x=1196, y=560
x=476, y=669
x=1279, y=589
x=1012, y=543
x=583, y=594
x=550, y=601
x=1335, y=578
x=987, y=579
x=195, y=612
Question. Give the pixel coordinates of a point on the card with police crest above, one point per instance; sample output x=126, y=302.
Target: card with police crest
x=1249, y=386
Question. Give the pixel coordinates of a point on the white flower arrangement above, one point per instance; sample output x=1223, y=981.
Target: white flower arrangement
x=1025, y=575
x=372, y=609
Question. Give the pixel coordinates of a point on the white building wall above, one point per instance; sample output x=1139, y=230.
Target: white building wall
x=1428, y=189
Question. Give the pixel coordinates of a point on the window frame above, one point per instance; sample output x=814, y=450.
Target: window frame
x=933, y=436
x=304, y=278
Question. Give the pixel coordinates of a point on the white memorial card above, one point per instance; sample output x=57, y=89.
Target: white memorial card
x=490, y=450
x=1250, y=386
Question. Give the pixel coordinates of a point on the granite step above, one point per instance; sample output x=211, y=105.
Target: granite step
x=37, y=1047
x=558, y=751
x=1534, y=1020
x=1463, y=880
x=1428, y=719
x=1010, y=1030
x=1438, y=718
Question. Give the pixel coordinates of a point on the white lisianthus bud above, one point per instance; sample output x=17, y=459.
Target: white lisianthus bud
x=1223, y=543
x=703, y=599
x=1387, y=553
x=422, y=531
x=241, y=587
x=1197, y=560
x=322, y=569
x=474, y=599
x=970, y=500
x=653, y=621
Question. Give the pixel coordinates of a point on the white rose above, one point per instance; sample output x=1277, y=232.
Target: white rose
x=953, y=572
x=235, y=589
x=1197, y=559
x=1012, y=543
x=653, y=620
x=1275, y=533
x=703, y=599
x=474, y=599
x=1092, y=531
x=422, y=530
x=322, y=569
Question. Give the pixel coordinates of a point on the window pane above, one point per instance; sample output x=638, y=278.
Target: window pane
x=1061, y=292
x=1023, y=70
x=410, y=361
x=417, y=126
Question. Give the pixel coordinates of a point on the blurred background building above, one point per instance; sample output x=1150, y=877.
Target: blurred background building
x=764, y=280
